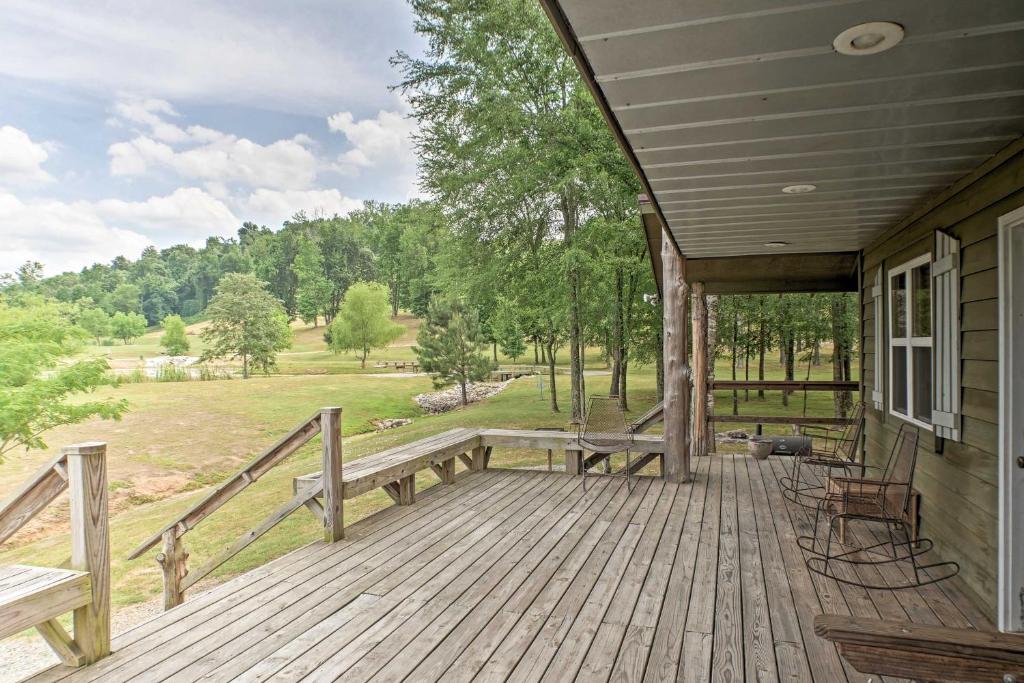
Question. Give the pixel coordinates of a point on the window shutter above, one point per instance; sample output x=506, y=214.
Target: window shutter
x=879, y=373
x=946, y=337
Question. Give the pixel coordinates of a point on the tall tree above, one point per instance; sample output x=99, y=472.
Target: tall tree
x=362, y=323
x=127, y=326
x=247, y=322
x=174, y=341
x=96, y=322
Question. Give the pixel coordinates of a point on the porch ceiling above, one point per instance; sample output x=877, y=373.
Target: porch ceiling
x=722, y=103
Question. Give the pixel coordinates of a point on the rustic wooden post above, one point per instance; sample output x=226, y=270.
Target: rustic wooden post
x=700, y=370
x=330, y=430
x=407, y=490
x=677, y=371
x=90, y=544
x=448, y=471
x=573, y=462
x=173, y=561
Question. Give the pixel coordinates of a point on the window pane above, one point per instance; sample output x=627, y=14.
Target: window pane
x=921, y=286
x=899, y=379
x=923, y=384
x=899, y=305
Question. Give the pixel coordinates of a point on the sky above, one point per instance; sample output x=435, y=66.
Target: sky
x=128, y=123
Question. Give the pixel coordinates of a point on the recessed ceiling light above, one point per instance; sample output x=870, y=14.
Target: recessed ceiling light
x=868, y=39
x=799, y=189
x=776, y=244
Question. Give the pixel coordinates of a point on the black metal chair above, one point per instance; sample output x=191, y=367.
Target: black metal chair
x=604, y=431
x=882, y=501
x=839, y=452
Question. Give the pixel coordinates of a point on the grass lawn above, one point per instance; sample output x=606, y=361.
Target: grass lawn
x=181, y=438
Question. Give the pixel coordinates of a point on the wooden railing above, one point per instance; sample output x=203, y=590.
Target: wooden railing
x=80, y=469
x=781, y=385
x=173, y=557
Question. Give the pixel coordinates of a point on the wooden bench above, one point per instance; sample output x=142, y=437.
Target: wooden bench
x=35, y=596
x=395, y=469
x=929, y=653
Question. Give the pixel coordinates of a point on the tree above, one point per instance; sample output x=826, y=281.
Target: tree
x=96, y=322
x=37, y=385
x=313, y=296
x=246, y=322
x=451, y=345
x=125, y=298
x=127, y=326
x=508, y=330
x=174, y=341
x=362, y=322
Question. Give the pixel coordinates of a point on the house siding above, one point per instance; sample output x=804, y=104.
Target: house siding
x=959, y=485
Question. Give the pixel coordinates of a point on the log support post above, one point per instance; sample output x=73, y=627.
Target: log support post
x=173, y=561
x=675, y=299
x=701, y=427
x=330, y=431
x=90, y=545
x=448, y=471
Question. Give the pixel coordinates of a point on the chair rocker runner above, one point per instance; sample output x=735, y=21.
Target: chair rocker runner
x=838, y=453
x=604, y=431
x=881, y=501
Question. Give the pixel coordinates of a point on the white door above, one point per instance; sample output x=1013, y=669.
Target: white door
x=1011, y=421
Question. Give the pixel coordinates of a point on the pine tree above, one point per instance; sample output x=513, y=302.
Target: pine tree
x=451, y=344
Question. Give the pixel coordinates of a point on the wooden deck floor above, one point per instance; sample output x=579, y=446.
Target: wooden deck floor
x=519, y=575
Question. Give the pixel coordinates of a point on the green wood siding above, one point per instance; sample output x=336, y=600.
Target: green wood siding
x=959, y=487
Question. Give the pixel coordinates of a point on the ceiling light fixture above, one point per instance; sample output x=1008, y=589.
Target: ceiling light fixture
x=868, y=39
x=776, y=244
x=799, y=189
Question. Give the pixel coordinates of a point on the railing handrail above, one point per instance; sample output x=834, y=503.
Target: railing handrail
x=38, y=491
x=794, y=385
x=256, y=468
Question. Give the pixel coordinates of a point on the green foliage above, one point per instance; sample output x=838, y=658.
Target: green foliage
x=246, y=322
x=362, y=323
x=127, y=326
x=174, y=341
x=508, y=330
x=451, y=345
x=38, y=389
x=313, y=296
x=96, y=322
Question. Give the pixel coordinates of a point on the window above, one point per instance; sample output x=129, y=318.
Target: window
x=910, y=341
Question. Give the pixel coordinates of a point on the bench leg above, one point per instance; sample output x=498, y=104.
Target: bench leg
x=448, y=471
x=407, y=490
x=479, y=463
x=61, y=643
x=574, y=462
x=466, y=460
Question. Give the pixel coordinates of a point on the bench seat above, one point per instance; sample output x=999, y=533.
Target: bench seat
x=386, y=467
x=30, y=596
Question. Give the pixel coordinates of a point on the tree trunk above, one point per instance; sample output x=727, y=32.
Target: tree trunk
x=394, y=299
x=761, y=343
x=245, y=366
x=616, y=340
x=734, y=353
x=623, y=401
x=712, y=348
x=536, y=354
x=840, y=353
x=494, y=346
x=551, y=372
x=789, y=352
x=570, y=216
x=465, y=397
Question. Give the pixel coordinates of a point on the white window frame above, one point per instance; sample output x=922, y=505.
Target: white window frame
x=909, y=342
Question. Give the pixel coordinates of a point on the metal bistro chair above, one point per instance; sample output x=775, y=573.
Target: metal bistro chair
x=838, y=453
x=882, y=501
x=604, y=432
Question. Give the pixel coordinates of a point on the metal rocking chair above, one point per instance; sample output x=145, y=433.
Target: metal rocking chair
x=838, y=453
x=604, y=432
x=883, y=501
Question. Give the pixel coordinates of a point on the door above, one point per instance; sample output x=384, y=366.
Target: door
x=1011, y=421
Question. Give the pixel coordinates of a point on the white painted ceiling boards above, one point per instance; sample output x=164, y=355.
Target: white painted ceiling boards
x=725, y=102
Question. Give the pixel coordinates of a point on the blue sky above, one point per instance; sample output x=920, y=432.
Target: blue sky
x=126, y=123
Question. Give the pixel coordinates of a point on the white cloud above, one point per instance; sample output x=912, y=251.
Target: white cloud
x=272, y=207
x=384, y=142
x=264, y=54
x=21, y=159
x=72, y=235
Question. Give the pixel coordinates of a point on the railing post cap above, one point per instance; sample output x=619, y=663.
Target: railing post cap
x=331, y=409
x=85, y=448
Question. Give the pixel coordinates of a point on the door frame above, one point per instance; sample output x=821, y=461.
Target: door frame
x=1011, y=436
